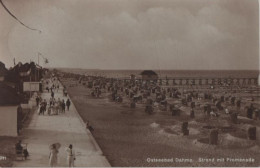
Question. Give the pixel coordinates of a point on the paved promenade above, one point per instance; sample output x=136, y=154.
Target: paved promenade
x=65, y=129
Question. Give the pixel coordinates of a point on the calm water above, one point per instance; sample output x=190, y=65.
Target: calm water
x=169, y=73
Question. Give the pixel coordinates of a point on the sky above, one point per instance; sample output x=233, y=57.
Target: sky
x=133, y=34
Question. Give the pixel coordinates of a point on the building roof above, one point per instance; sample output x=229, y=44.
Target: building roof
x=23, y=67
x=8, y=95
x=148, y=72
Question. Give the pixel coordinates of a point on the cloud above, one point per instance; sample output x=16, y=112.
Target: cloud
x=138, y=35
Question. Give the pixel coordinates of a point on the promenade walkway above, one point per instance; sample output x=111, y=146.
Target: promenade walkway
x=65, y=129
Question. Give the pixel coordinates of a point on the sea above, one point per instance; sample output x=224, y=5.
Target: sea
x=167, y=73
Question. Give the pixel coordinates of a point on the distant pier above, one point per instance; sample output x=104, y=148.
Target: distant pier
x=201, y=81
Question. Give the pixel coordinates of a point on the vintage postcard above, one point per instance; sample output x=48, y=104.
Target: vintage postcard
x=129, y=83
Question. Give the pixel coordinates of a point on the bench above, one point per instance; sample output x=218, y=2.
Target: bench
x=20, y=153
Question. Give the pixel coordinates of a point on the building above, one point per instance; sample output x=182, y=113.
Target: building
x=149, y=75
x=9, y=101
x=259, y=80
x=20, y=73
x=3, y=71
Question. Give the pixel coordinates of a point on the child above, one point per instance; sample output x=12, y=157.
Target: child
x=49, y=110
x=89, y=127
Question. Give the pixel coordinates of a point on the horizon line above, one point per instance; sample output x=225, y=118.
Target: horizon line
x=157, y=69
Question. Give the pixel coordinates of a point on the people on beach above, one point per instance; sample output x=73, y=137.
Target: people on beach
x=89, y=127
x=70, y=155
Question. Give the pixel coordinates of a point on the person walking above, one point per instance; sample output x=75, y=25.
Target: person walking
x=57, y=87
x=70, y=155
x=59, y=106
x=41, y=109
x=47, y=88
x=37, y=100
x=63, y=106
x=49, y=109
x=68, y=104
x=53, y=158
x=65, y=93
x=54, y=108
x=44, y=106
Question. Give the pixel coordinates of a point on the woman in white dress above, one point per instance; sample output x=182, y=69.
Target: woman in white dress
x=70, y=156
x=53, y=158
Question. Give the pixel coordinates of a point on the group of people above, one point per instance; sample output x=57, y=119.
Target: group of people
x=21, y=150
x=54, y=85
x=53, y=157
x=53, y=107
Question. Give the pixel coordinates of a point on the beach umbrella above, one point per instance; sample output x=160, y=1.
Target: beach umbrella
x=57, y=145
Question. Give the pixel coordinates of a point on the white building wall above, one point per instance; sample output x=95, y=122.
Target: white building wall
x=8, y=120
x=259, y=80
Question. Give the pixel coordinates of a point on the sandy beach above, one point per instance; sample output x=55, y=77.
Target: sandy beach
x=131, y=137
